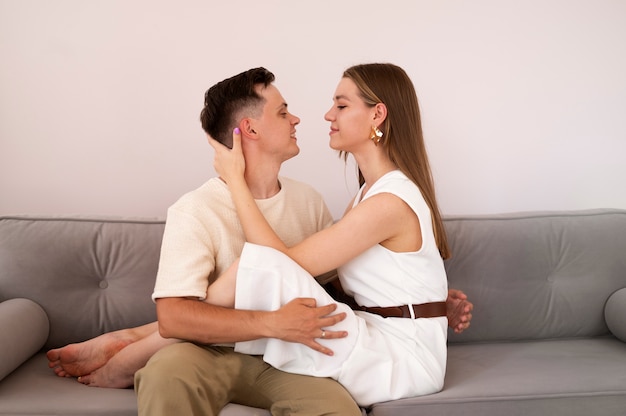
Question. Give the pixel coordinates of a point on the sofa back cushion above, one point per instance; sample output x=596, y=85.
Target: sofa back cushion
x=90, y=276
x=530, y=276
x=537, y=275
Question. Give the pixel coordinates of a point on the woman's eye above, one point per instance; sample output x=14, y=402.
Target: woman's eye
x=341, y=107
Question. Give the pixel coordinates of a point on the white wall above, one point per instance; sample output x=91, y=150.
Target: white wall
x=523, y=102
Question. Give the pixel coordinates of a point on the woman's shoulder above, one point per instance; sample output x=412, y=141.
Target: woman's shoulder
x=395, y=179
x=398, y=184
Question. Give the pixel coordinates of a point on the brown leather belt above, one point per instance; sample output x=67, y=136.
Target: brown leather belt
x=423, y=310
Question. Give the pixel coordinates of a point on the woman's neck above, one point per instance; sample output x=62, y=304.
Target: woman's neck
x=374, y=168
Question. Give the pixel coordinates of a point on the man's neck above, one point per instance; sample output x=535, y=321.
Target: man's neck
x=263, y=181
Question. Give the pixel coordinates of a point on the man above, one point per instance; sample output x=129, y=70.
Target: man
x=203, y=237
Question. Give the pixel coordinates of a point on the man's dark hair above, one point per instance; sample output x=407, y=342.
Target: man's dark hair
x=226, y=102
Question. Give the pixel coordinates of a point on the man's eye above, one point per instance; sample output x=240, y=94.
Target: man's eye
x=341, y=107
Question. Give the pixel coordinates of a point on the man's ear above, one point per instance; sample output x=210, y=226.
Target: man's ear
x=247, y=128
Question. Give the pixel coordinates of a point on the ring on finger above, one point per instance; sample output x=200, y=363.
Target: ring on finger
x=323, y=334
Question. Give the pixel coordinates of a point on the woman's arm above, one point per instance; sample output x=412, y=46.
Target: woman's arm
x=383, y=218
x=230, y=165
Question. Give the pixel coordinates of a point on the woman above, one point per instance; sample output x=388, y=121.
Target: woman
x=388, y=248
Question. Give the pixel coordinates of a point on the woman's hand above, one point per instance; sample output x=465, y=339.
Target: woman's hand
x=229, y=163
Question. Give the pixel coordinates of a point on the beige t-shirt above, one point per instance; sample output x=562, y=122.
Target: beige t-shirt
x=203, y=235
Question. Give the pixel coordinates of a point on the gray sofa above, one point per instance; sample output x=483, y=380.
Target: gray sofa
x=547, y=337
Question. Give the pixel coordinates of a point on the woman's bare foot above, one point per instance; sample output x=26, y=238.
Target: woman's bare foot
x=83, y=358
x=119, y=371
x=106, y=376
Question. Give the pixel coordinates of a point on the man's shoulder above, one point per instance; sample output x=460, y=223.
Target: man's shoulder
x=211, y=192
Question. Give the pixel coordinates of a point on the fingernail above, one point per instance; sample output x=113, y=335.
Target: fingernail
x=237, y=131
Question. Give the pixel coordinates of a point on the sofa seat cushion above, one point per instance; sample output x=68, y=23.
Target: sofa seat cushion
x=552, y=377
x=24, y=329
x=33, y=389
x=615, y=314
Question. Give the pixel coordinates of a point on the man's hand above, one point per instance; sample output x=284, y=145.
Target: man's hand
x=302, y=321
x=459, y=310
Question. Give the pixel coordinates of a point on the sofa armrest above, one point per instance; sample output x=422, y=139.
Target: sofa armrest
x=615, y=314
x=24, y=330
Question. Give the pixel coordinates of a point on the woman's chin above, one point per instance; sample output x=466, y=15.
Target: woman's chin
x=334, y=145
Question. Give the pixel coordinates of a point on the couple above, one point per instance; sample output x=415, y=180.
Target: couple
x=388, y=247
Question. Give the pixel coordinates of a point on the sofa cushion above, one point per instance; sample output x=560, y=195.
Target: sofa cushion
x=90, y=275
x=585, y=376
x=24, y=329
x=537, y=275
x=33, y=389
x=615, y=314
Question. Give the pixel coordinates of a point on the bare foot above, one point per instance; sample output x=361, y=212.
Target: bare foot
x=119, y=371
x=106, y=376
x=83, y=358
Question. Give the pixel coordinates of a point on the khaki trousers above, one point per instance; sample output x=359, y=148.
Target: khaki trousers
x=187, y=379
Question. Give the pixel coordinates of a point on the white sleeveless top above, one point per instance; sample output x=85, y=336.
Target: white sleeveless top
x=380, y=277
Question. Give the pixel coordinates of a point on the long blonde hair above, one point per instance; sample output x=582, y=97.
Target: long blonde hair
x=402, y=131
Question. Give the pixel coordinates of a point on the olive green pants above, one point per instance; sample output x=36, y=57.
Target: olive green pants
x=187, y=379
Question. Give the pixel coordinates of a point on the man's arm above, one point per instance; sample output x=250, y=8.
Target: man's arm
x=298, y=321
x=459, y=309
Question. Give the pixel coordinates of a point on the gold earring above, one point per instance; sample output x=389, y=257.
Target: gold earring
x=376, y=135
